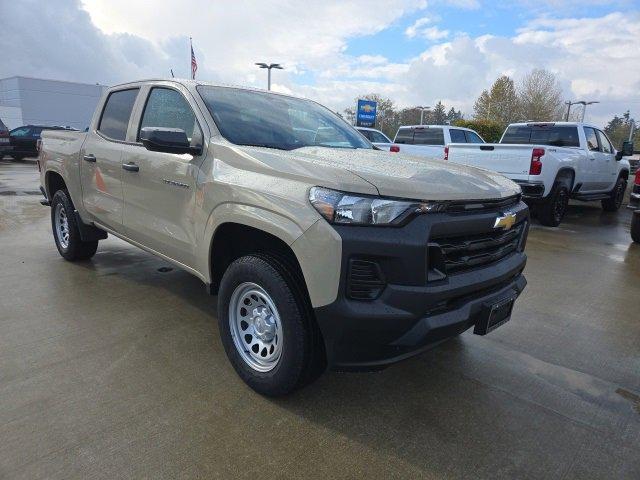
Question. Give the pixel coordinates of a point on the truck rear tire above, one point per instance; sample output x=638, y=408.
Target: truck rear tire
x=635, y=226
x=613, y=203
x=552, y=210
x=65, y=230
x=267, y=326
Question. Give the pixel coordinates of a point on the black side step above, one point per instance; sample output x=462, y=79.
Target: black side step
x=586, y=197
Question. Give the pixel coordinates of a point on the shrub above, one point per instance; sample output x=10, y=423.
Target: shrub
x=490, y=130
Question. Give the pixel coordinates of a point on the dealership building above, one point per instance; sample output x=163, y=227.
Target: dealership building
x=26, y=100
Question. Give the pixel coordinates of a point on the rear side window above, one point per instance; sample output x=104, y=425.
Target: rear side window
x=404, y=135
x=20, y=132
x=457, y=136
x=545, y=134
x=428, y=136
x=167, y=108
x=605, y=144
x=592, y=140
x=116, y=113
x=473, y=137
x=378, y=137
x=367, y=134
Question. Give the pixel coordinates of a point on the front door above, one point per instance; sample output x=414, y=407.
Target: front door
x=101, y=160
x=159, y=187
x=590, y=163
x=607, y=166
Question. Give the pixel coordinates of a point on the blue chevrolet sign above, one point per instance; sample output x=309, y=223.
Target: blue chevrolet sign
x=366, y=113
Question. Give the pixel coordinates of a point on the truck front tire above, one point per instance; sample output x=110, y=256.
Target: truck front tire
x=65, y=230
x=613, y=203
x=267, y=326
x=552, y=210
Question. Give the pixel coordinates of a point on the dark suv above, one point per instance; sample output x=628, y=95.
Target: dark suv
x=23, y=140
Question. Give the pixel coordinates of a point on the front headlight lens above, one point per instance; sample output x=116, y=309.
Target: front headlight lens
x=345, y=208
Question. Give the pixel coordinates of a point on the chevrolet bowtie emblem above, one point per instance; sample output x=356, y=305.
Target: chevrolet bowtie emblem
x=506, y=221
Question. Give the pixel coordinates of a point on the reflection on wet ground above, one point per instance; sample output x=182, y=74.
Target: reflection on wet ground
x=113, y=368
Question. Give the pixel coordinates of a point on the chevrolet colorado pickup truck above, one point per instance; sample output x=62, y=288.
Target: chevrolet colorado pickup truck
x=323, y=251
x=553, y=162
x=431, y=140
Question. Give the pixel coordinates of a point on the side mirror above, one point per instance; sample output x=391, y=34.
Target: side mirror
x=169, y=140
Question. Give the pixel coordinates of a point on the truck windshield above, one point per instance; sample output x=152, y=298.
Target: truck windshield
x=543, y=134
x=247, y=117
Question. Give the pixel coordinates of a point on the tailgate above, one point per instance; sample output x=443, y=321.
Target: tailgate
x=502, y=158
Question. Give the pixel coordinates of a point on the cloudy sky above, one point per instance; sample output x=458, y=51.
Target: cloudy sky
x=414, y=51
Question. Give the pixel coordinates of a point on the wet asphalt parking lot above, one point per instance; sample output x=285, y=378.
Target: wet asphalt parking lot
x=113, y=369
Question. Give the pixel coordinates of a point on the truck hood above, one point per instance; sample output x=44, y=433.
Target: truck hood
x=395, y=174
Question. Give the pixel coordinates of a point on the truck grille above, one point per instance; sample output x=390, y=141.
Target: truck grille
x=466, y=252
x=365, y=280
x=482, y=205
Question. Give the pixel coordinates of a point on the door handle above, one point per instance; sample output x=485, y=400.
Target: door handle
x=89, y=158
x=130, y=167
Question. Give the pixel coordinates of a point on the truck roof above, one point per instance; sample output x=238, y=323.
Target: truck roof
x=434, y=126
x=195, y=83
x=550, y=124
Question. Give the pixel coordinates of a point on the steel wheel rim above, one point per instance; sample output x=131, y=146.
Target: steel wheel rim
x=255, y=327
x=61, y=222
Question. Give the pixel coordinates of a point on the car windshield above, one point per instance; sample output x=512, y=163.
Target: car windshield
x=247, y=117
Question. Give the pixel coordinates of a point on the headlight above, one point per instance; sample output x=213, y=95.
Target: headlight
x=353, y=209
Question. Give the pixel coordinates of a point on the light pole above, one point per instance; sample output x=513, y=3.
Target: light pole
x=584, y=108
x=269, y=67
x=422, y=110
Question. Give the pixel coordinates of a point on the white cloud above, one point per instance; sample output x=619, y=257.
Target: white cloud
x=594, y=58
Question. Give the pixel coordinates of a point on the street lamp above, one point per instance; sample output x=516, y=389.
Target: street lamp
x=584, y=108
x=269, y=67
x=422, y=110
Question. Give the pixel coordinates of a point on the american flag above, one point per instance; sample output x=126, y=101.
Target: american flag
x=194, y=64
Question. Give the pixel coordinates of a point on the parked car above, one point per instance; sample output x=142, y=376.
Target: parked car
x=4, y=138
x=431, y=140
x=23, y=140
x=320, y=252
x=378, y=138
x=553, y=162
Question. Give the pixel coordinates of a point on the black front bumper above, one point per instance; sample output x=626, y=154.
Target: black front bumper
x=415, y=307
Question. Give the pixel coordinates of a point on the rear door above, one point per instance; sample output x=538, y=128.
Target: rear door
x=101, y=165
x=160, y=197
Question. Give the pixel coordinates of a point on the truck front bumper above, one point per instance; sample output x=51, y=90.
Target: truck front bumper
x=634, y=198
x=414, y=304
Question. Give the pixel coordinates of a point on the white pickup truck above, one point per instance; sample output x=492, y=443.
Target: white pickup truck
x=431, y=140
x=553, y=162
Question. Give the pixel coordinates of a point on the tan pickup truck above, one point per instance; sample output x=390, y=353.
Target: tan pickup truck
x=323, y=250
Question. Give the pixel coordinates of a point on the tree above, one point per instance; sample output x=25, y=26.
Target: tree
x=454, y=115
x=540, y=97
x=438, y=116
x=499, y=103
x=618, y=130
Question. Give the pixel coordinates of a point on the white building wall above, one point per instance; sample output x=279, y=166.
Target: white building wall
x=25, y=100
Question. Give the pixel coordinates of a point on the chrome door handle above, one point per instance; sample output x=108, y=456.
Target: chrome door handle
x=89, y=158
x=130, y=167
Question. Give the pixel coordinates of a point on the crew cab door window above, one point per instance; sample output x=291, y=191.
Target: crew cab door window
x=167, y=108
x=605, y=144
x=473, y=137
x=592, y=139
x=457, y=136
x=20, y=132
x=116, y=113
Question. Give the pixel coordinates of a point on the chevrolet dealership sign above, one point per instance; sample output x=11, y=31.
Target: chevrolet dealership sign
x=366, y=113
